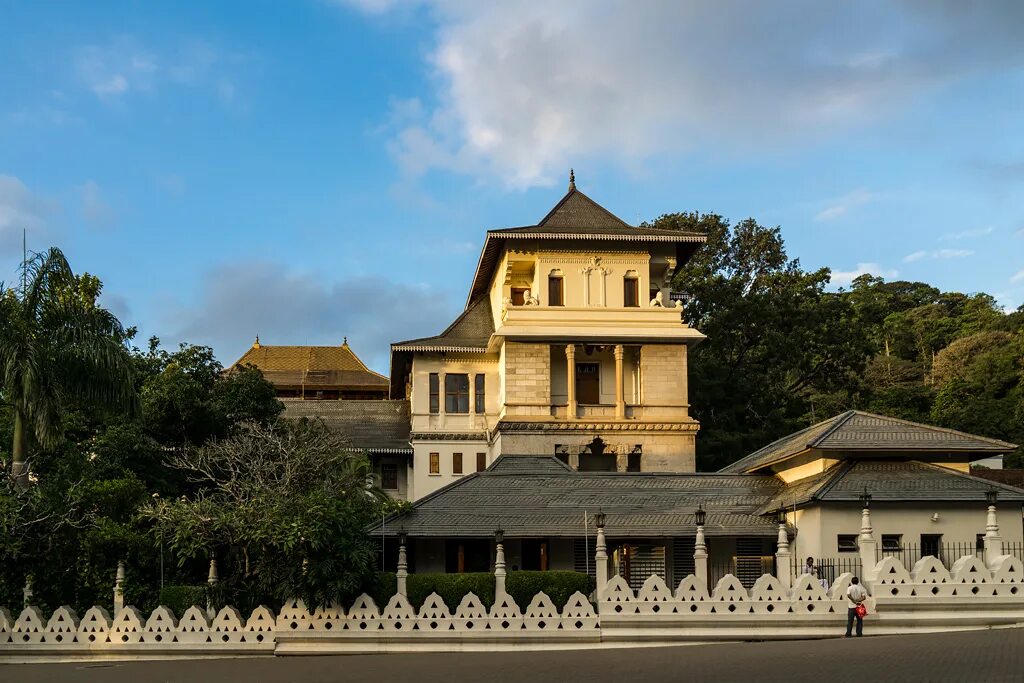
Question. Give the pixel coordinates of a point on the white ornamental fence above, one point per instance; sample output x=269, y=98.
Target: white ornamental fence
x=928, y=597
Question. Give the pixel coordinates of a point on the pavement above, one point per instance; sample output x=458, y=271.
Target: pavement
x=973, y=656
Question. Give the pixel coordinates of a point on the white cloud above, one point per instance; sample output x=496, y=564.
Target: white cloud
x=96, y=211
x=525, y=89
x=1017, y=277
x=937, y=254
x=842, y=205
x=967, y=234
x=284, y=306
x=844, y=278
x=21, y=209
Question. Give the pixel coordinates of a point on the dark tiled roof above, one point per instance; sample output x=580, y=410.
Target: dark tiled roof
x=889, y=481
x=375, y=426
x=530, y=496
x=471, y=331
x=577, y=216
x=855, y=430
x=315, y=366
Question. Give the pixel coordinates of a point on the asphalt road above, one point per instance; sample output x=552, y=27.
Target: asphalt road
x=962, y=657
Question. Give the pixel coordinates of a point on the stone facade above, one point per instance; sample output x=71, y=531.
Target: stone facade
x=527, y=380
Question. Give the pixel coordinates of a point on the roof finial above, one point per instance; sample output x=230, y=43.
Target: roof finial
x=572, y=180
x=345, y=341
x=257, y=344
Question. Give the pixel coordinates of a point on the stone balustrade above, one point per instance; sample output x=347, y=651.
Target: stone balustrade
x=927, y=597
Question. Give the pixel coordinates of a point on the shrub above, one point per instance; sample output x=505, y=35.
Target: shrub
x=558, y=585
x=180, y=598
x=451, y=587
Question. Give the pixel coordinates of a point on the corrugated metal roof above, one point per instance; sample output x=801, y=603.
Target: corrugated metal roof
x=372, y=425
x=855, y=430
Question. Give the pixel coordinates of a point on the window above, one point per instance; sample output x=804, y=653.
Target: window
x=931, y=544
x=847, y=543
x=518, y=296
x=479, y=395
x=588, y=383
x=555, y=295
x=389, y=476
x=633, y=462
x=456, y=463
x=456, y=393
x=435, y=402
x=435, y=463
x=979, y=542
x=481, y=462
x=630, y=292
x=892, y=543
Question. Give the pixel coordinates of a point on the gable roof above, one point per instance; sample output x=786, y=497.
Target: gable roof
x=859, y=431
x=377, y=426
x=575, y=216
x=471, y=331
x=531, y=496
x=890, y=481
x=311, y=366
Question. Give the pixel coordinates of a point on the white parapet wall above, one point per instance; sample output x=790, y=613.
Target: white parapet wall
x=925, y=598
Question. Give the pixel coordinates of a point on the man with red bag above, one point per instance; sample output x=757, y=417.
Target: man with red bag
x=855, y=607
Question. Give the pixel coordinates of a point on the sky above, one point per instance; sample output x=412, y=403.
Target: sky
x=316, y=169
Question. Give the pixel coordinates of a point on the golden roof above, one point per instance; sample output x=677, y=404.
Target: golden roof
x=311, y=363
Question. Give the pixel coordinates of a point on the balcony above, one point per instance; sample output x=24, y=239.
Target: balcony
x=607, y=324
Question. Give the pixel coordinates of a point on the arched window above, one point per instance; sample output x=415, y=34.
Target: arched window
x=556, y=290
x=631, y=290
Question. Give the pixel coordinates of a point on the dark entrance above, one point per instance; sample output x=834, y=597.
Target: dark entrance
x=467, y=555
x=930, y=544
x=588, y=383
x=594, y=459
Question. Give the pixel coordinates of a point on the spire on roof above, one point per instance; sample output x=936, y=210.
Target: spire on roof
x=345, y=342
x=572, y=180
x=256, y=345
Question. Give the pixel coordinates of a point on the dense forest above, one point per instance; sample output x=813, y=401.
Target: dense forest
x=784, y=351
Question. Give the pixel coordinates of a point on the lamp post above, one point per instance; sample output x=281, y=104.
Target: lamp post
x=600, y=558
x=783, y=556
x=867, y=546
x=700, y=549
x=499, y=563
x=993, y=542
x=402, y=573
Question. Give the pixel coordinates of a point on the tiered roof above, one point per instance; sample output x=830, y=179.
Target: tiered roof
x=312, y=366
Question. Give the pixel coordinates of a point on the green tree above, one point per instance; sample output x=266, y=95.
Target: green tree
x=57, y=346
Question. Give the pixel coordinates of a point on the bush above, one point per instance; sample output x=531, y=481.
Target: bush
x=558, y=585
x=381, y=588
x=180, y=598
x=451, y=587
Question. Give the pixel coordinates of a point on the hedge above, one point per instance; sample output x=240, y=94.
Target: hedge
x=180, y=598
x=451, y=587
x=558, y=585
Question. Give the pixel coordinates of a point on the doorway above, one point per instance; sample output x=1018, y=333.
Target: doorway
x=588, y=383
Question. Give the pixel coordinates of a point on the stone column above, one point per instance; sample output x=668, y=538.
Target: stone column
x=403, y=569
x=570, y=362
x=993, y=541
x=783, y=558
x=604, y=273
x=119, y=588
x=586, y=284
x=620, y=401
x=867, y=546
x=601, y=565
x=211, y=581
x=700, y=559
x=440, y=393
x=499, y=566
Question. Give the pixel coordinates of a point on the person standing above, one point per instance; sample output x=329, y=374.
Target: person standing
x=855, y=597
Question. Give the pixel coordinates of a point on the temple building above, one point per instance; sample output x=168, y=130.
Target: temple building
x=571, y=345
x=321, y=373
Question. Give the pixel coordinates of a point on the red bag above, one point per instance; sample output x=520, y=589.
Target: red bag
x=861, y=610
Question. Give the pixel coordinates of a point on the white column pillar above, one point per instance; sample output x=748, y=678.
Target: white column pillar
x=700, y=559
x=402, y=574
x=603, y=274
x=601, y=565
x=499, y=566
x=867, y=547
x=783, y=557
x=620, y=401
x=570, y=362
x=585, y=271
x=119, y=588
x=993, y=541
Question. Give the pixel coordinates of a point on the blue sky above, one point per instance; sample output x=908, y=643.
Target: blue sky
x=314, y=169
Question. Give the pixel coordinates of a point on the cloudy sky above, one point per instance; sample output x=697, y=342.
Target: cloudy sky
x=321, y=168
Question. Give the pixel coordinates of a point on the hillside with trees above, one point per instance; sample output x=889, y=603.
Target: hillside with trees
x=785, y=351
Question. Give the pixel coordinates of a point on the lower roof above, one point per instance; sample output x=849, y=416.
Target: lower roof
x=373, y=425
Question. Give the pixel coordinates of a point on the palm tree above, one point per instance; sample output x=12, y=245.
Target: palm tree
x=56, y=346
